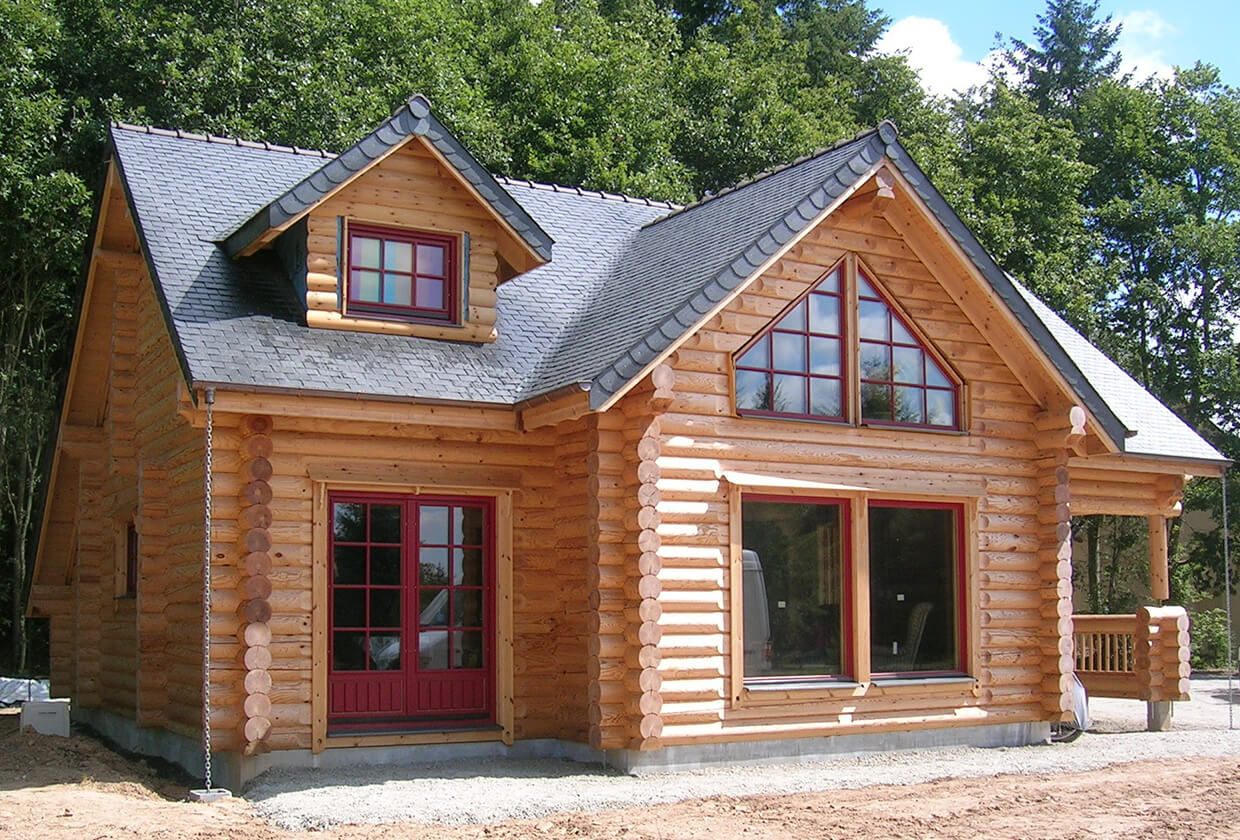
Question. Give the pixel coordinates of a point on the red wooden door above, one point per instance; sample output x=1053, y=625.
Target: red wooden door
x=411, y=607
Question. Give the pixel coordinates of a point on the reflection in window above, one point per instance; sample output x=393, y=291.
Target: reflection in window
x=900, y=381
x=793, y=588
x=914, y=560
x=401, y=273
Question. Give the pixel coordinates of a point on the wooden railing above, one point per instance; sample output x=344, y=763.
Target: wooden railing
x=1140, y=657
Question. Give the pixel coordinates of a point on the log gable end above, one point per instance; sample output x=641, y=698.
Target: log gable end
x=990, y=473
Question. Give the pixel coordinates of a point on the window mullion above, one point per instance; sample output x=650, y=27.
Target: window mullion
x=852, y=349
x=860, y=521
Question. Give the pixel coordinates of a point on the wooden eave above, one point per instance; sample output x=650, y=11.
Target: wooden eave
x=513, y=248
x=68, y=433
x=345, y=407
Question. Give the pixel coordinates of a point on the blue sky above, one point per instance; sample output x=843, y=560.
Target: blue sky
x=947, y=38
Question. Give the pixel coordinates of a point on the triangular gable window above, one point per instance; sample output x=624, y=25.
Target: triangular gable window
x=796, y=368
x=804, y=364
x=900, y=381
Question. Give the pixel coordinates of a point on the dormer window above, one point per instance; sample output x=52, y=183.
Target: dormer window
x=403, y=274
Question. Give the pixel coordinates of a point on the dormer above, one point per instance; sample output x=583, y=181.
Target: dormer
x=405, y=233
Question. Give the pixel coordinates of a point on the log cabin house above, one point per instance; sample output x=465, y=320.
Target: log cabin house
x=497, y=467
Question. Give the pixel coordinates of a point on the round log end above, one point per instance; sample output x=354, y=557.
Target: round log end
x=257, y=728
x=255, y=424
x=257, y=706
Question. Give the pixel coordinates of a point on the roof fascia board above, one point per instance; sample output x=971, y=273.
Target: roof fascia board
x=231, y=397
x=1160, y=464
x=718, y=306
x=414, y=119
x=964, y=245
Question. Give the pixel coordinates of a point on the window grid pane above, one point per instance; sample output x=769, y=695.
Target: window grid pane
x=901, y=383
x=794, y=369
x=365, y=591
x=401, y=273
x=451, y=586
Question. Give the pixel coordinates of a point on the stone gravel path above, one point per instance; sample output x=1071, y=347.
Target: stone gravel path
x=495, y=790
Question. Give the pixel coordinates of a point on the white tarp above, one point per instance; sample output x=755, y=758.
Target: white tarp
x=13, y=691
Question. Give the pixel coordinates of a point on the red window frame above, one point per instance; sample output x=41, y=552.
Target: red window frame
x=446, y=308
x=759, y=356
x=961, y=595
x=847, y=608
x=890, y=345
x=414, y=694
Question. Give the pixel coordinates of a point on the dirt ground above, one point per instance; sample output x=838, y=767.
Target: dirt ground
x=78, y=789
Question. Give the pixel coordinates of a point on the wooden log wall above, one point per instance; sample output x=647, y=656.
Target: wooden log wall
x=993, y=470
x=1161, y=648
x=408, y=189
x=254, y=523
x=548, y=600
x=1124, y=492
x=127, y=459
x=1055, y=551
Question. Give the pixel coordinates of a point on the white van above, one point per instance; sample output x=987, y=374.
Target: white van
x=757, y=618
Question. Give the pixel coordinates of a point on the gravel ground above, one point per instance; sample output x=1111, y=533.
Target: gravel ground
x=492, y=791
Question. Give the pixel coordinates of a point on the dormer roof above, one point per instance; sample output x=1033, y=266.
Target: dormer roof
x=413, y=119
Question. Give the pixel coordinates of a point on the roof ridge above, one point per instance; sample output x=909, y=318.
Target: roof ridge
x=766, y=173
x=606, y=196
x=222, y=141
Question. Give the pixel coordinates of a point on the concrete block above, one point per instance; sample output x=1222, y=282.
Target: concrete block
x=47, y=717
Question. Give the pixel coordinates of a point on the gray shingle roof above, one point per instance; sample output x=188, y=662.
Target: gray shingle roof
x=628, y=279
x=414, y=118
x=1156, y=429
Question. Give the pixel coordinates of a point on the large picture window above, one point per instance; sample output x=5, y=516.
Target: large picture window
x=916, y=571
x=798, y=603
x=794, y=581
x=402, y=274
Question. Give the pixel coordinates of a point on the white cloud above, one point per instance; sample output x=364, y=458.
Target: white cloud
x=1139, y=43
x=931, y=51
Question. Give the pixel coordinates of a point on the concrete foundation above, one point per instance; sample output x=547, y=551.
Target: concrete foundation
x=1158, y=716
x=234, y=771
x=672, y=759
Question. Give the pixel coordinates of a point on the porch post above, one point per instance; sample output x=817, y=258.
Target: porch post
x=1160, y=582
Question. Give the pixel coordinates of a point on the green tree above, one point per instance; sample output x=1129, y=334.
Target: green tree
x=1074, y=53
x=1023, y=182
x=43, y=214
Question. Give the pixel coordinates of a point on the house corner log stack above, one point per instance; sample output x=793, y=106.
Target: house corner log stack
x=623, y=670
x=1161, y=654
x=254, y=611
x=1059, y=434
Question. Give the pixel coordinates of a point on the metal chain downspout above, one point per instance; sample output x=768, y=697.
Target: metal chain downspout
x=1231, y=697
x=206, y=599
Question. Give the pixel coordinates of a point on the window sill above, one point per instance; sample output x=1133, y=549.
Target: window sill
x=793, y=684
x=808, y=692
x=937, y=684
